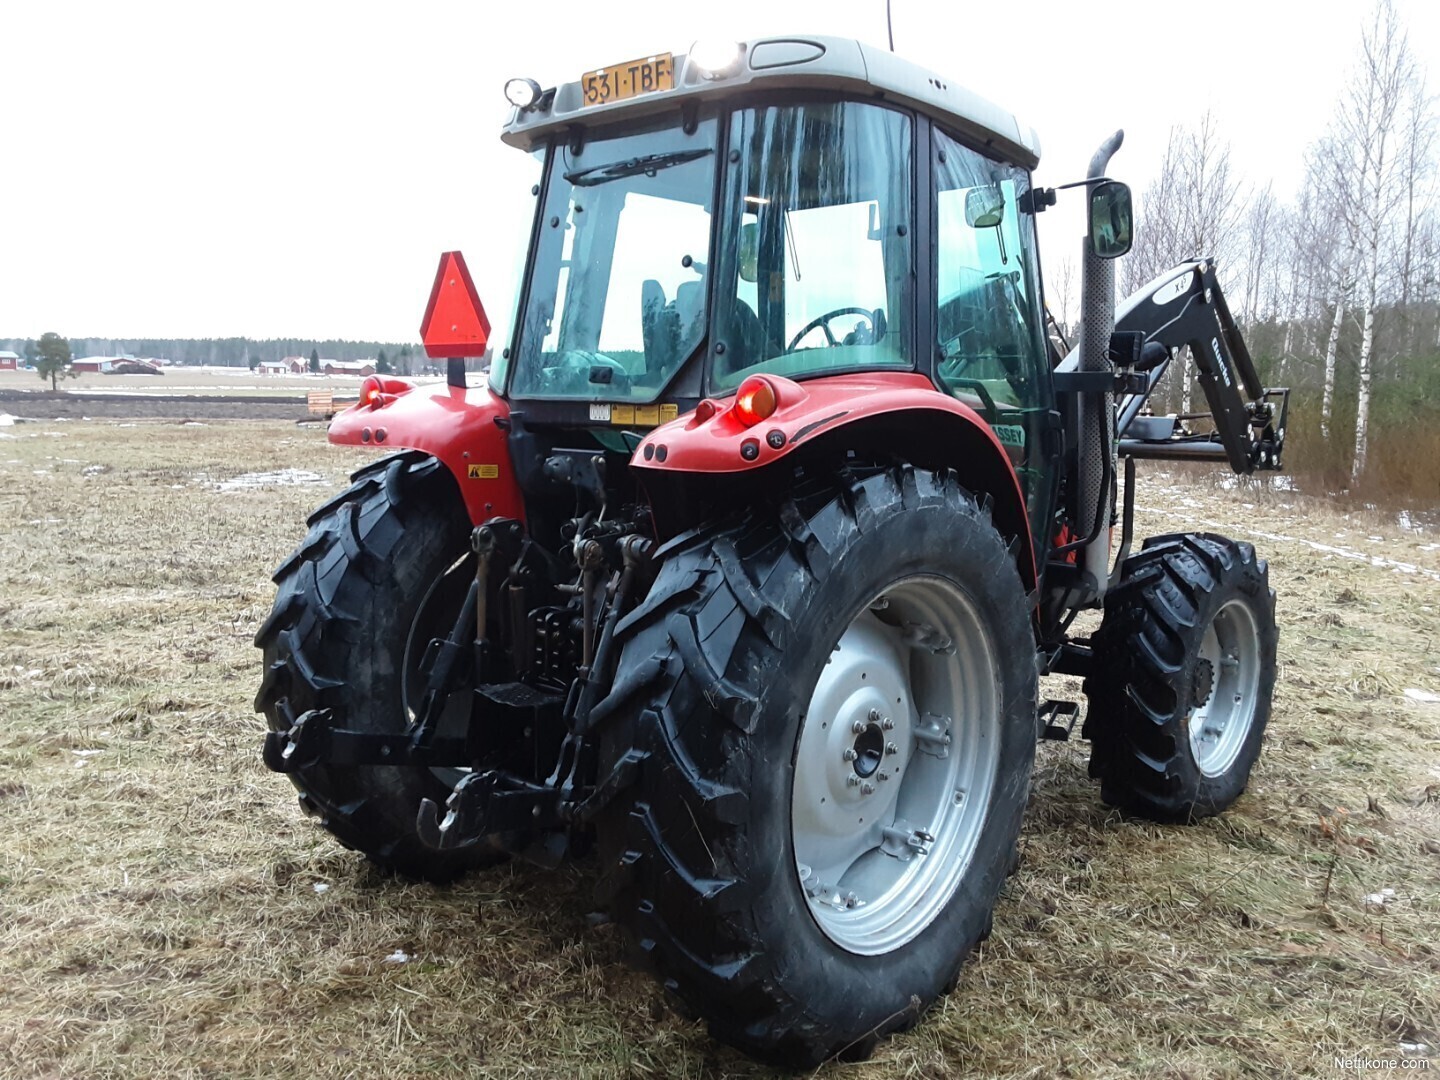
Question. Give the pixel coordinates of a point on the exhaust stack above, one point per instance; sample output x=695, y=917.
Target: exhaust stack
x=1097, y=411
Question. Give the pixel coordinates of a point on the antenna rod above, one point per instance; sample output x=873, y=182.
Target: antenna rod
x=889, y=28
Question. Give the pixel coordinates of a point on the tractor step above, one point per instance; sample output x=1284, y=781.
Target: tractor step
x=1058, y=719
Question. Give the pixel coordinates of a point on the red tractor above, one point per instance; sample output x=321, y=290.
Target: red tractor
x=744, y=566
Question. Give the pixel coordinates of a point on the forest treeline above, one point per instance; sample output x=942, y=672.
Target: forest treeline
x=228, y=352
x=1336, y=286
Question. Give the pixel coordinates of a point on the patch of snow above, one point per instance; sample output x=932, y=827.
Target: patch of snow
x=6, y=420
x=321, y=887
x=1344, y=553
x=86, y=753
x=193, y=423
x=1380, y=899
x=1423, y=696
x=278, y=478
x=92, y=470
x=46, y=521
x=399, y=956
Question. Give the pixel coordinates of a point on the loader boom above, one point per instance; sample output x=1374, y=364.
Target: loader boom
x=1185, y=307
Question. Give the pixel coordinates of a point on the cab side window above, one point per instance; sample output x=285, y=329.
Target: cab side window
x=989, y=345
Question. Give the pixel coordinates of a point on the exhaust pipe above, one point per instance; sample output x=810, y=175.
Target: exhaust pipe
x=1097, y=411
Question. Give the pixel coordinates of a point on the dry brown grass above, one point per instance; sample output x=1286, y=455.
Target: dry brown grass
x=159, y=912
x=181, y=380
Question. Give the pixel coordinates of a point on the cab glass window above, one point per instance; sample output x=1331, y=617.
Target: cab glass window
x=817, y=274
x=988, y=327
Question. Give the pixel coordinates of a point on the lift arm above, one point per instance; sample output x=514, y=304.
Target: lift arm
x=1184, y=306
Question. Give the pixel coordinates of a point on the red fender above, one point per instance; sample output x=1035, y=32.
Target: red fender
x=715, y=439
x=456, y=425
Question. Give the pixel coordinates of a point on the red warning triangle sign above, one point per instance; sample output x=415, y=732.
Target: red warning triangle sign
x=455, y=325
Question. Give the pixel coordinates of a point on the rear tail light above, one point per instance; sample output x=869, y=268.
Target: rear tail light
x=370, y=391
x=754, y=401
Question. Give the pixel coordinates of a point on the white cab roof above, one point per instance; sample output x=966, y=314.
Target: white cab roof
x=798, y=62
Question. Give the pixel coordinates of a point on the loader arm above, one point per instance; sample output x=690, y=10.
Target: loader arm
x=1185, y=306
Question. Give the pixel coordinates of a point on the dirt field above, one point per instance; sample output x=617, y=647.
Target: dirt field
x=166, y=909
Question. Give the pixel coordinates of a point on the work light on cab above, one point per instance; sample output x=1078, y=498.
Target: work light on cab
x=754, y=401
x=522, y=93
x=716, y=59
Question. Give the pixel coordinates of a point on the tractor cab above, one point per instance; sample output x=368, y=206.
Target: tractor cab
x=796, y=209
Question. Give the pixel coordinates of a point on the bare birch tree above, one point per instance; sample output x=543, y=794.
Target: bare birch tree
x=1192, y=209
x=1261, y=226
x=1361, y=159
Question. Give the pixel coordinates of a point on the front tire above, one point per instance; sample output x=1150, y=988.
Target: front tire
x=382, y=570
x=765, y=651
x=1184, y=672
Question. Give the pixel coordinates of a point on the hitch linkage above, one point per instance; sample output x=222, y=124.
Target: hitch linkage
x=311, y=741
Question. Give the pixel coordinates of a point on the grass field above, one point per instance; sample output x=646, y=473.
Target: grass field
x=166, y=909
x=181, y=380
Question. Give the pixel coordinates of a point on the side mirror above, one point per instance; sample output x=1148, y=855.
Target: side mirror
x=749, y=250
x=984, y=207
x=1112, y=219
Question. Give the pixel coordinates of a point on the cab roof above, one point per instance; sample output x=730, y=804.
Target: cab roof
x=799, y=62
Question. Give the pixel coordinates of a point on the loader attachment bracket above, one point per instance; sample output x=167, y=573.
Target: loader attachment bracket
x=1186, y=307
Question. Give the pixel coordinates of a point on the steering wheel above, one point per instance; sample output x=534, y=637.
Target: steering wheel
x=575, y=374
x=823, y=322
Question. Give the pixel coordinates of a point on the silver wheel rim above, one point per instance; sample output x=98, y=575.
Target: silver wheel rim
x=895, y=763
x=1220, y=725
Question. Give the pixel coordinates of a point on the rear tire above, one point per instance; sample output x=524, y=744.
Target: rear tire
x=1184, y=671
x=759, y=642
x=357, y=604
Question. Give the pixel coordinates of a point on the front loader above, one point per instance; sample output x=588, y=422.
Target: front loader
x=742, y=569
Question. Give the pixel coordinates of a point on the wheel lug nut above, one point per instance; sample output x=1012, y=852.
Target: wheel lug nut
x=882, y=775
x=848, y=755
x=891, y=749
x=852, y=780
x=867, y=789
x=888, y=724
x=874, y=716
x=858, y=727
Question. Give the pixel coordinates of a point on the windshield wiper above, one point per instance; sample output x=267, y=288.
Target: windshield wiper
x=618, y=170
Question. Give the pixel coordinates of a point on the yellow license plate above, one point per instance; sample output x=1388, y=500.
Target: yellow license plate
x=628, y=80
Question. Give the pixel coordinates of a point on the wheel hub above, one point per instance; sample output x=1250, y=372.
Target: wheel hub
x=869, y=750
x=896, y=757
x=858, y=720
x=1226, y=688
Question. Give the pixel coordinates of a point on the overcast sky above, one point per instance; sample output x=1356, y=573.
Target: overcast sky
x=294, y=169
